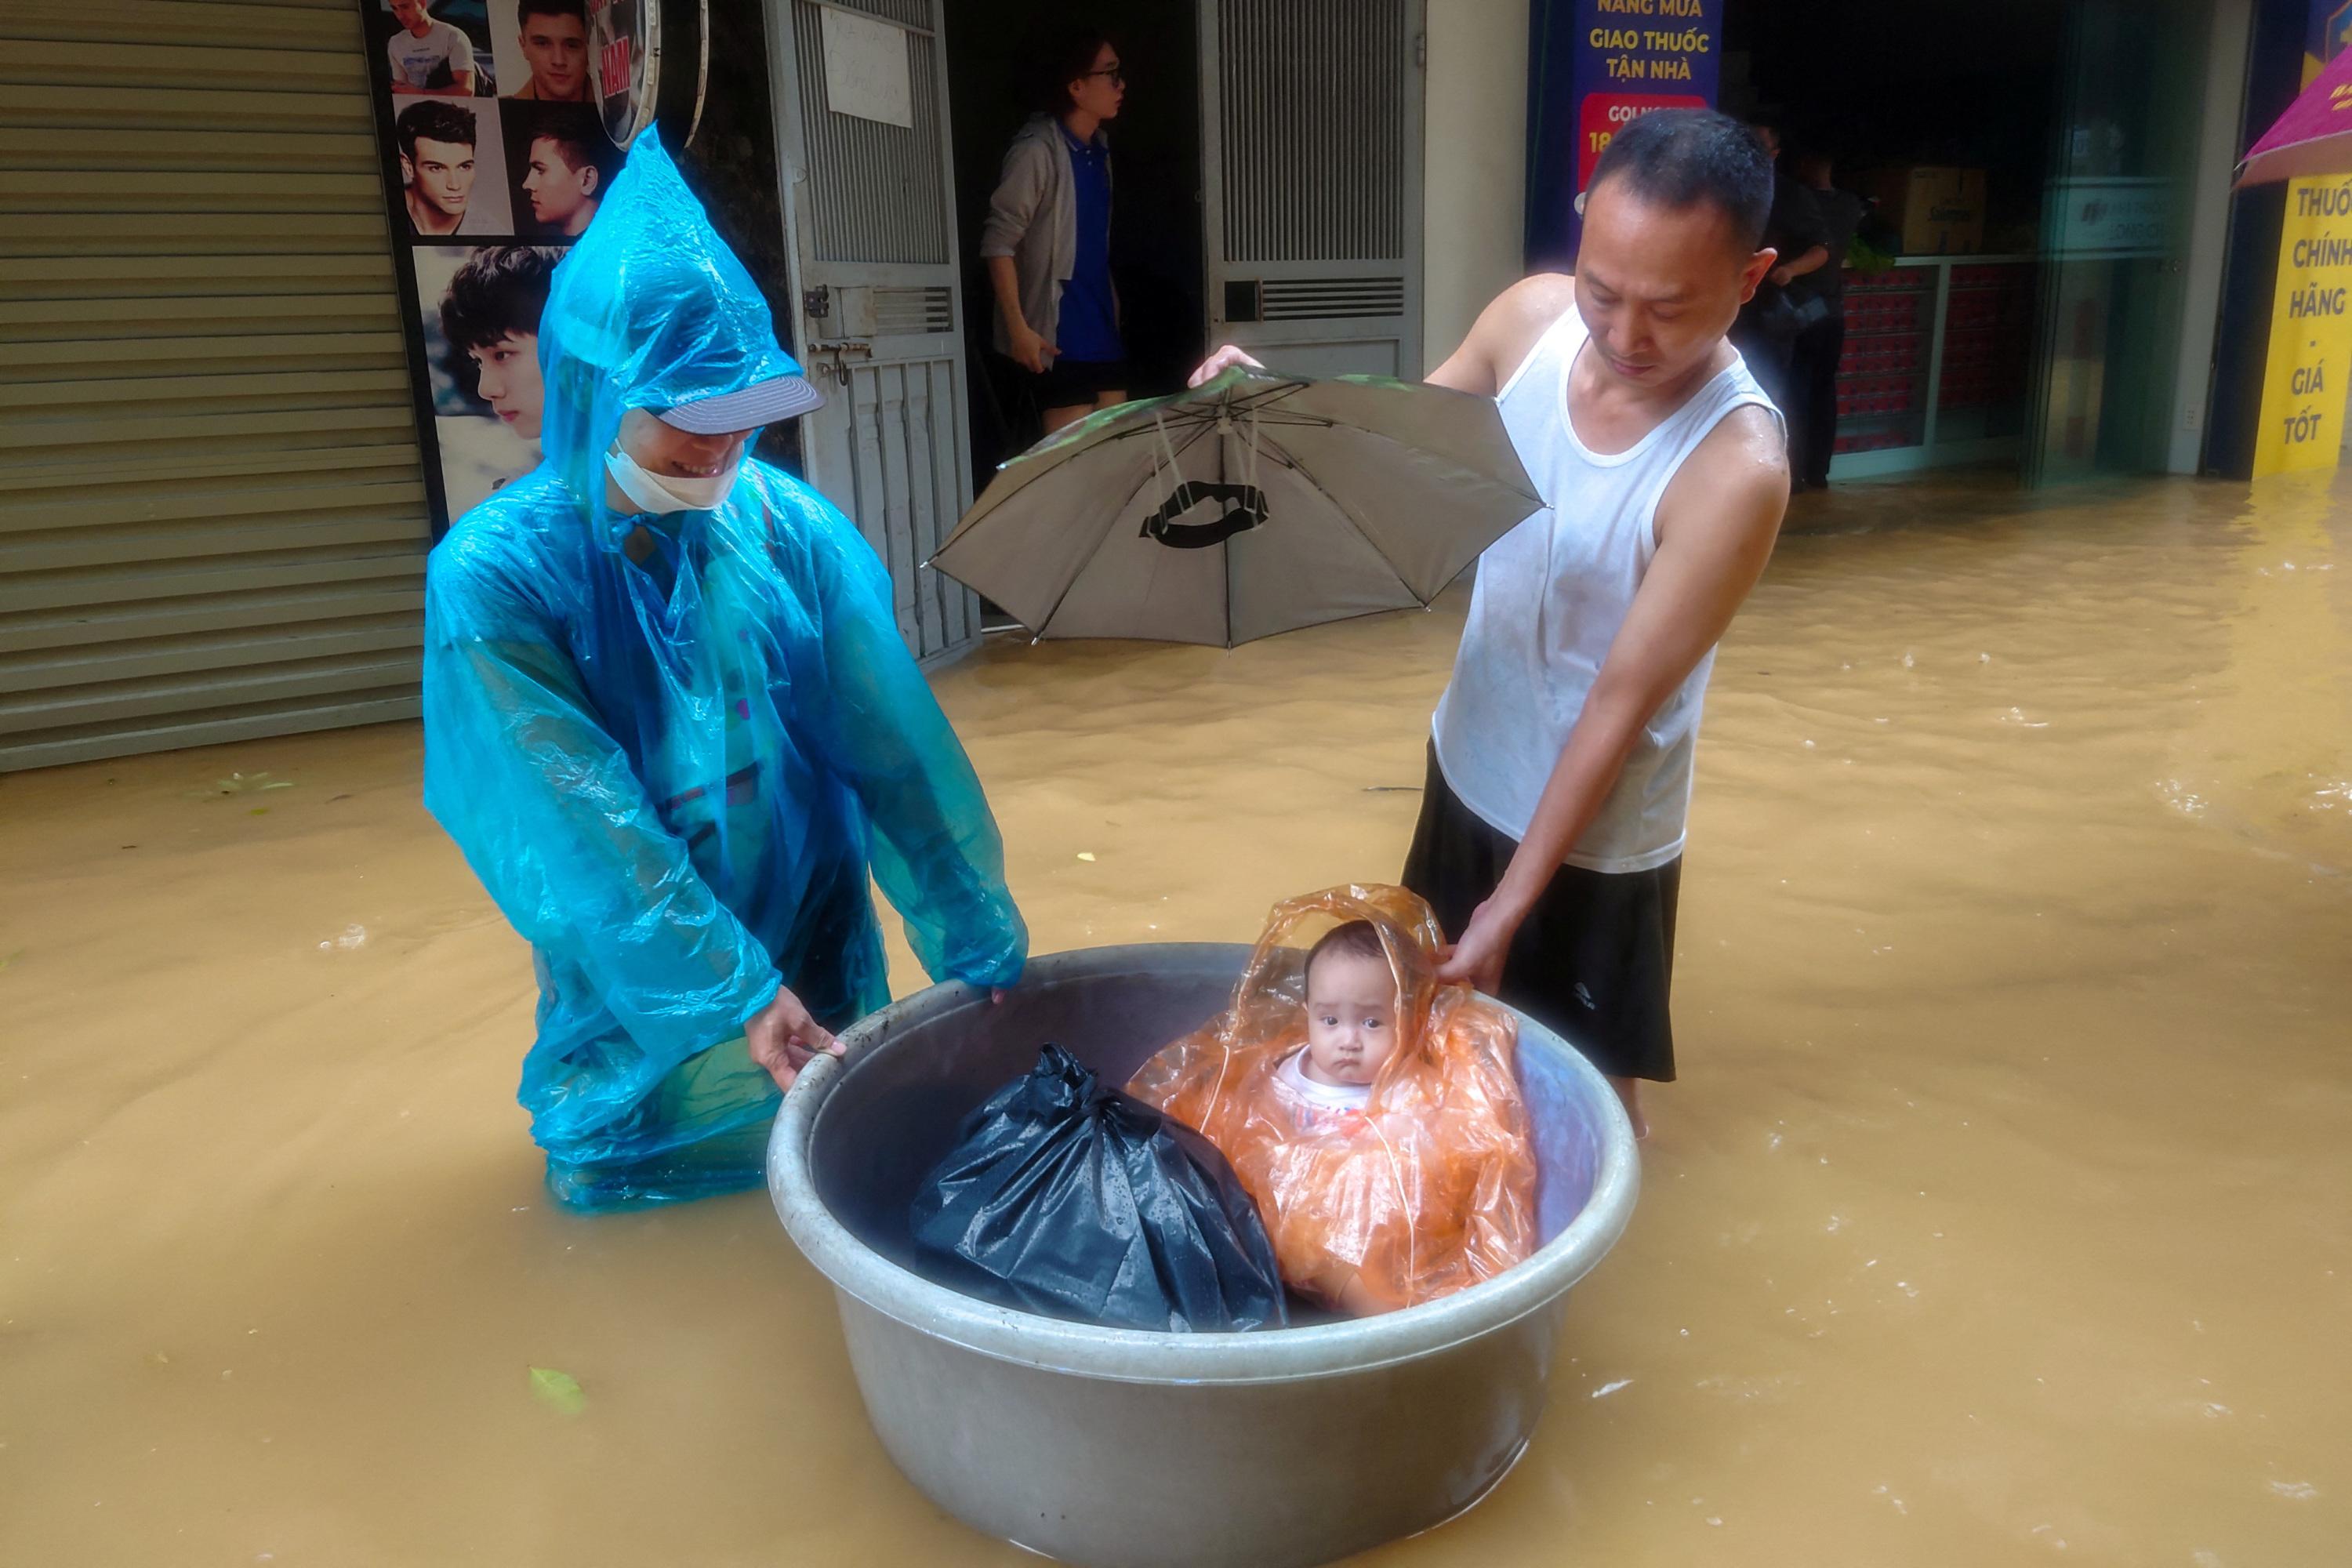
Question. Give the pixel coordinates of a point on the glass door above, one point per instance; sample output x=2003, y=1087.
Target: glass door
x=2114, y=238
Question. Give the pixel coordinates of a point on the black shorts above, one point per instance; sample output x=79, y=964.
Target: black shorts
x=1076, y=383
x=1595, y=958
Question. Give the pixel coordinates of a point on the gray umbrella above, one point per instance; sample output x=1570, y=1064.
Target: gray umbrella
x=1253, y=505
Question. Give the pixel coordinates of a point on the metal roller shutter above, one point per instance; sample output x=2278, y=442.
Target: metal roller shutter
x=212, y=515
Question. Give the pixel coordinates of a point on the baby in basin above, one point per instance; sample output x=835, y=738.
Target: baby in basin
x=1350, y=1026
x=1373, y=1115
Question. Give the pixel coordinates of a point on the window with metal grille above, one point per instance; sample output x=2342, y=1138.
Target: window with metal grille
x=878, y=198
x=1313, y=94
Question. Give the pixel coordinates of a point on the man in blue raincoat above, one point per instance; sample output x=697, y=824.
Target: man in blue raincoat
x=669, y=720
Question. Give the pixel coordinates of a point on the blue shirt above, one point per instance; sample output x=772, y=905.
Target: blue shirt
x=1088, y=333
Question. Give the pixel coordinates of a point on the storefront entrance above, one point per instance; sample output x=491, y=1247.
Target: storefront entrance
x=2037, y=289
x=1269, y=194
x=1157, y=257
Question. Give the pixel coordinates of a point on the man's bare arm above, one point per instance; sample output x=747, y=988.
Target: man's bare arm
x=1812, y=261
x=1504, y=332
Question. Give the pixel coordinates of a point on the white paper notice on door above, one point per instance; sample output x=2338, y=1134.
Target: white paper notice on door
x=865, y=69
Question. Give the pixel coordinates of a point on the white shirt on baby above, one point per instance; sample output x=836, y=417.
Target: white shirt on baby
x=415, y=60
x=1328, y=1098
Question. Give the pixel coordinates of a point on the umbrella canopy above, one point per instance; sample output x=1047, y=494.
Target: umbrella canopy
x=1253, y=505
x=2313, y=136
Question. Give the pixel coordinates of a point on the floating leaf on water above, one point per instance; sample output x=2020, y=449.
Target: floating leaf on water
x=259, y=811
x=559, y=1389
x=1087, y=855
x=11, y=958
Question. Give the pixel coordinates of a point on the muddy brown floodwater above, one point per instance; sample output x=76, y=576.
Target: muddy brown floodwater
x=2004, y=1214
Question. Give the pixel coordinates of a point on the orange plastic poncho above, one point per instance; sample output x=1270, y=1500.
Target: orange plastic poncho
x=1430, y=1187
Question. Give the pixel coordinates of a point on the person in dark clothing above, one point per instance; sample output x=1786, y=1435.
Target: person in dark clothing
x=1813, y=364
x=1046, y=242
x=1766, y=332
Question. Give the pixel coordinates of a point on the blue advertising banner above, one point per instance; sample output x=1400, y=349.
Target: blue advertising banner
x=1597, y=65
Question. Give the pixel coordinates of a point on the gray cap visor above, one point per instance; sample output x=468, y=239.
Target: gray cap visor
x=761, y=402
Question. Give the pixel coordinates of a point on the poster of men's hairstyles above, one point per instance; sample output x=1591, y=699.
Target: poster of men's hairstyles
x=438, y=47
x=559, y=162
x=453, y=170
x=495, y=160
x=543, y=50
x=480, y=307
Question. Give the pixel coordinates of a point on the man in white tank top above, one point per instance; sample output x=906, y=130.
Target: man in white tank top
x=1551, y=831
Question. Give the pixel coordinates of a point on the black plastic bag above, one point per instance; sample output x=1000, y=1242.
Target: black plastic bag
x=1067, y=1199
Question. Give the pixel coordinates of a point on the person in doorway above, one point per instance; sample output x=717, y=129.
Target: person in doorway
x=429, y=56
x=436, y=164
x=564, y=177
x=1551, y=831
x=1820, y=343
x=553, y=34
x=1047, y=238
x=491, y=315
x=1770, y=322
x=670, y=723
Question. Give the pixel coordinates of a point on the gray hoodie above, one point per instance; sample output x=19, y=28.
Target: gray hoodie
x=1034, y=218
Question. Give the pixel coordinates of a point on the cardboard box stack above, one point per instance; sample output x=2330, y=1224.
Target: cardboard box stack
x=1939, y=212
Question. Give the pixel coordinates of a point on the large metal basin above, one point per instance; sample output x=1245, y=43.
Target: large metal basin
x=1118, y=1449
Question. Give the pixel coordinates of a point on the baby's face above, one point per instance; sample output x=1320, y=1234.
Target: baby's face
x=1350, y=1018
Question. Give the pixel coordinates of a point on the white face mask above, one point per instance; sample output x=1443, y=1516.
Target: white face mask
x=656, y=493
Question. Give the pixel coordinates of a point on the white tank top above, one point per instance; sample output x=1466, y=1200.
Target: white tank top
x=1551, y=597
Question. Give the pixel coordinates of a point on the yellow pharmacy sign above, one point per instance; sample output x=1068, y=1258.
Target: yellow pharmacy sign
x=2308, y=373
